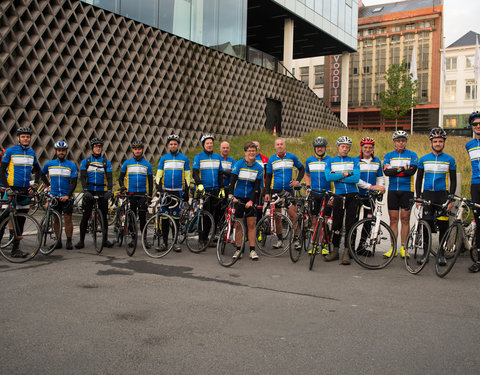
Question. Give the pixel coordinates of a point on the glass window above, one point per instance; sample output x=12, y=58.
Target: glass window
x=304, y=75
x=381, y=55
x=319, y=6
x=231, y=19
x=319, y=73
x=327, y=9
x=348, y=18
x=410, y=26
x=165, y=15
x=144, y=11
x=451, y=90
x=395, y=28
x=470, y=61
x=451, y=122
x=105, y=4
x=334, y=11
x=470, y=92
x=451, y=63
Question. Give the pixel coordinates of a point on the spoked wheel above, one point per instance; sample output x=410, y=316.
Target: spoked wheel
x=19, y=248
x=300, y=232
x=418, y=247
x=49, y=239
x=159, y=235
x=450, y=246
x=97, y=231
x=267, y=239
x=367, y=250
x=231, y=243
x=316, y=246
x=473, y=249
x=130, y=233
x=199, y=231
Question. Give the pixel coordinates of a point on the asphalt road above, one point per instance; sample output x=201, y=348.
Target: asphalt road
x=75, y=312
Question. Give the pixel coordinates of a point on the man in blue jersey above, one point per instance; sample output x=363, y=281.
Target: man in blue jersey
x=63, y=181
x=139, y=174
x=208, y=176
x=227, y=163
x=246, y=179
x=262, y=160
x=96, y=180
x=173, y=177
x=434, y=170
x=344, y=172
x=18, y=164
x=280, y=178
x=473, y=149
x=400, y=167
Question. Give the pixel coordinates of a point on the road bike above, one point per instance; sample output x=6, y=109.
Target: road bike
x=96, y=226
x=125, y=226
x=51, y=227
x=302, y=226
x=231, y=240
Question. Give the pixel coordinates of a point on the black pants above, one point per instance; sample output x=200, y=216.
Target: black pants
x=87, y=212
x=342, y=207
x=475, y=193
x=430, y=213
x=138, y=204
x=212, y=205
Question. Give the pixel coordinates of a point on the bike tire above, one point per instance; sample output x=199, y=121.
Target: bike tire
x=34, y=204
x=452, y=244
x=97, y=230
x=367, y=251
x=49, y=239
x=298, y=227
x=29, y=244
x=473, y=249
x=227, y=245
x=315, y=245
x=196, y=224
x=415, y=247
x=264, y=235
x=153, y=241
x=130, y=230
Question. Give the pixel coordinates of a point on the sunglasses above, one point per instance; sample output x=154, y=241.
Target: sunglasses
x=475, y=124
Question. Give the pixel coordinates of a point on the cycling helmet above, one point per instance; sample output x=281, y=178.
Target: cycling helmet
x=61, y=145
x=473, y=117
x=137, y=144
x=367, y=141
x=174, y=137
x=399, y=134
x=344, y=140
x=96, y=141
x=437, y=133
x=320, y=142
x=24, y=130
x=205, y=137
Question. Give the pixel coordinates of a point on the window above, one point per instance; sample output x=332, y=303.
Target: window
x=470, y=61
x=410, y=26
x=395, y=28
x=424, y=24
x=293, y=72
x=451, y=122
x=423, y=87
x=451, y=63
x=319, y=71
x=450, y=90
x=470, y=91
x=304, y=75
x=381, y=30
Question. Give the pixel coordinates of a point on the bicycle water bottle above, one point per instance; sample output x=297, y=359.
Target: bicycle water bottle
x=471, y=228
x=329, y=223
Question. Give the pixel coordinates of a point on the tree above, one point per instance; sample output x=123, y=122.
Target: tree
x=400, y=94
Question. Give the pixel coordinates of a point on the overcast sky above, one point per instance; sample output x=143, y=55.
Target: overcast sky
x=460, y=16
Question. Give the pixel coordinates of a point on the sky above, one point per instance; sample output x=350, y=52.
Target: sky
x=460, y=17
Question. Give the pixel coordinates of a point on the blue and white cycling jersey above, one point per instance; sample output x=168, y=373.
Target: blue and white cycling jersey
x=316, y=168
x=60, y=172
x=136, y=173
x=436, y=171
x=20, y=163
x=96, y=173
x=209, y=166
x=401, y=159
x=246, y=178
x=227, y=165
x=473, y=149
x=334, y=169
x=174, y=167
x=369, y=172
x=282, y=170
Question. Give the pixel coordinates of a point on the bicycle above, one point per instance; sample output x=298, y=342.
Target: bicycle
x=160, y=232
x=39, y=199
x=125, y=225
x=51, y=227
x=302, y=225
x=231, y=240
x=371, y=237
x=19, y=232
x=96, y=226
x=272, y=225
x=455, y=239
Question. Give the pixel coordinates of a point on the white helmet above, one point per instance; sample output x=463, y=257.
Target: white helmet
x=399, y=134
x=344, y=140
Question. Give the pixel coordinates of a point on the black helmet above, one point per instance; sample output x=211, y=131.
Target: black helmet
x=205, y=137
x=473, y=117
x=437, y=133
x=96, y=141
x=320, y=142
x=173, y=137
x=24, y=130
x=137, y=144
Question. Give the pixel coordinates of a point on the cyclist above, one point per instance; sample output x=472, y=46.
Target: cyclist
x=227, y=163
x=344, y=172
x=280, y=178
x=262, y=160
x=208, y=176
x=16, y=168
x=63, y=181
x=173, y=176
x=96, y=180
x=473, y=149
x=434, y=169
x=246, y=179
x=400, y=166
x=316, y=180
x=371, y=178
x=139, y=174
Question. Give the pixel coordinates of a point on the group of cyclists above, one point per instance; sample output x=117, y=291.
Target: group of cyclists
x=253, y=180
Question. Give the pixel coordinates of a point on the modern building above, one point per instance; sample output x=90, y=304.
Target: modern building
x=460, y=97
x=387, y=34
x=129, y=69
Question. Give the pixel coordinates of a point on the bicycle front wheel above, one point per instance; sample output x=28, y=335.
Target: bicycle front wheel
x=451, y=245
x=199, y=232
x=19, y=246
x=159, y=235
x=130, y=230
x=228, y=248
x=300, y=232
x=274, y=241
x=418, y=247
x=367, y=248
x=97, y=230
x=49, y=238
x=312, y=253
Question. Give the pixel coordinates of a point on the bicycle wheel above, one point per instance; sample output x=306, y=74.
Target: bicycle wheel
x=34, y=204
x=49, y=239
x=118, y=228
x=315, y=245
x=97, y=229
x=473, y=249
x=418, y=246
x=159, y=235
x=266, y=238
x=227, y=244
x=299, y=229
x=366, y=248
x=451, y=244
x=111, y=213
x=196, y=237
x=27, y=243
x=130, y=230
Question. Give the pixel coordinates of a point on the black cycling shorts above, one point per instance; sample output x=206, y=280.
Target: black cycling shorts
x=241, y=211
x=399, y=200
x=64, y=207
